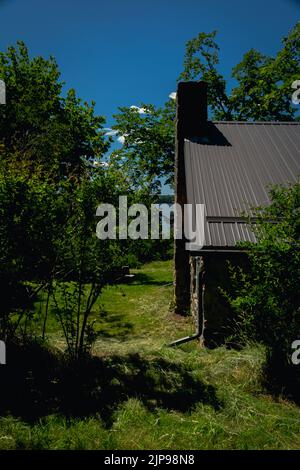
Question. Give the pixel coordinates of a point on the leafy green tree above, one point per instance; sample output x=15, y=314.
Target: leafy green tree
x=148, y=150
x=51, y=181
x=263, y=83
x=41, y=126
x=267, y=298
x=31, y=214
x=200, y=63
x=262, y=92
x=84, y=265
x=48, y=238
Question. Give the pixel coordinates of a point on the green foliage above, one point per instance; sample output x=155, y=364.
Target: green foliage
x=49, y=191
x=39, y=125
x=148, y=150
x=89, y=263
x=263, y=83
x=48, y=237
x=200, y=63
x=262, y=92
x=268, y=298
x=31, y=214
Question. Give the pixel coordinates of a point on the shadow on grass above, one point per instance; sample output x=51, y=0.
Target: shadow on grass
x=145, y=279
x=37, y=382
x=114, y=326
x=281, y=377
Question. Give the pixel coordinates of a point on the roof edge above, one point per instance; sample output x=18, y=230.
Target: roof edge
x=262, y=123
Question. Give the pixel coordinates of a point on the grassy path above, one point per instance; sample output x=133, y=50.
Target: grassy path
x=137, y=316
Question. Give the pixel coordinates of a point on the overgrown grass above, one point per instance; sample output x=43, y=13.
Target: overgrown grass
x=183, y=398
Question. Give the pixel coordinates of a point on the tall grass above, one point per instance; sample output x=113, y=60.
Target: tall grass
x=183, y=398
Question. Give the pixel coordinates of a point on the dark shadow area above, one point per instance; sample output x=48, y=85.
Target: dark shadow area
x=221, y=320
x=37, y=382
x=145, y=279
x=211, y=136
x=281, y=378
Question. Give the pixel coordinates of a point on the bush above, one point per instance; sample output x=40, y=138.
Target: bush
x=267, y=298
x=48, y=243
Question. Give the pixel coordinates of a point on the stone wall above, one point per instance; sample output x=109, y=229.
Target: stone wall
x=220, y=319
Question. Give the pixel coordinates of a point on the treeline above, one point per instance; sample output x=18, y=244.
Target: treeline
x=52, y=178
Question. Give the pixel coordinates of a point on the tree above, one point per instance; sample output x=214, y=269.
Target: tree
x=50, y=255
x=267, y=298
x=31, y=218
x=148, y=150
x=263, y=90
x=262, y=93
x=39, y=127
x=83, y=265
x=200, y=63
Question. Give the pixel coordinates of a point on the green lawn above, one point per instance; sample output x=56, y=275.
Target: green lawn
x=183, y=398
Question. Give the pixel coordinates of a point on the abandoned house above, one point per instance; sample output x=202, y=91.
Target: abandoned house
x=228, y=167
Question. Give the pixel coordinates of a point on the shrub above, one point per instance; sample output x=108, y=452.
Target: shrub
x=267, y=298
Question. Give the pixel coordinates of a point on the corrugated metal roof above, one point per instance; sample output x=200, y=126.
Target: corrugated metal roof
x=220, y=233
x=231, y=169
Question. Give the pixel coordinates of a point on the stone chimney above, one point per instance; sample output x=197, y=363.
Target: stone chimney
x=191, y=119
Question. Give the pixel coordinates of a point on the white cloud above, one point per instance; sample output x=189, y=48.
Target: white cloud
x=97, y=163
x=173, y=95
x=139, y=110
x=110, y=131
x=113, y=133
x=121, y=139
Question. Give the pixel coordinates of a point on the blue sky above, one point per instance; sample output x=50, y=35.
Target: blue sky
x=125, y=52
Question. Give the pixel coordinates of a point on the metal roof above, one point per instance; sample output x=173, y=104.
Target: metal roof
x=230, y=169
